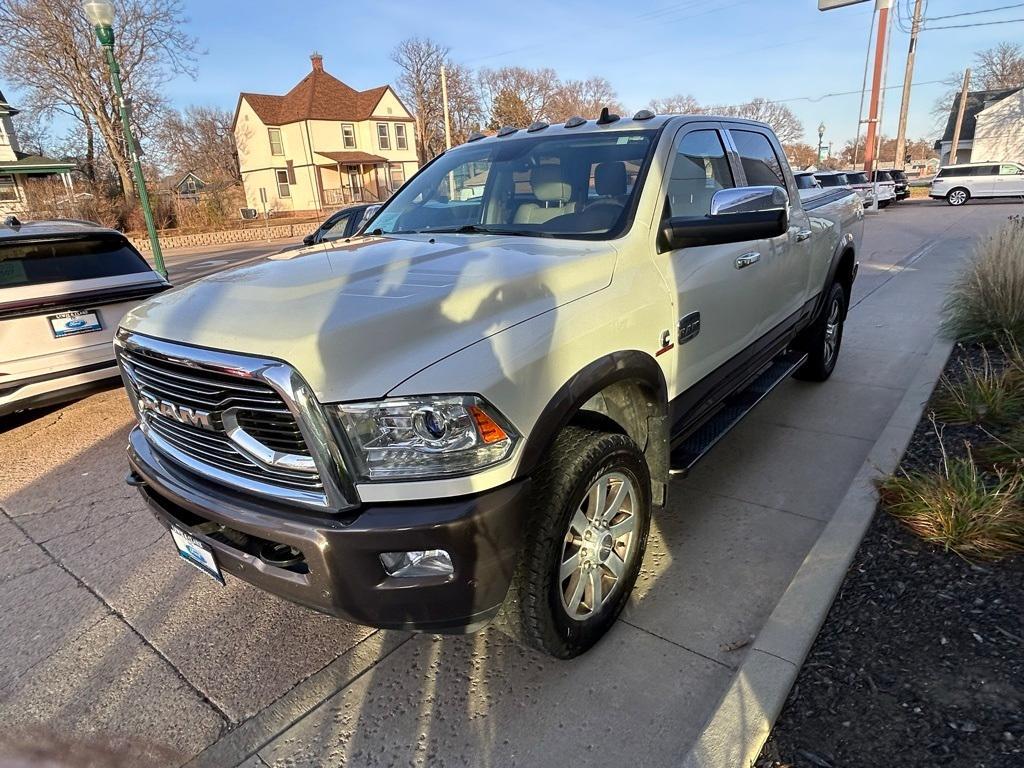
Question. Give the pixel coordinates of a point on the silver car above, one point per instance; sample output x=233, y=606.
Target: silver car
x=64, y=287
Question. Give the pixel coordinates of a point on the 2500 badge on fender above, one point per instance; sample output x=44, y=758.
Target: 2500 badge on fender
x=470, y=411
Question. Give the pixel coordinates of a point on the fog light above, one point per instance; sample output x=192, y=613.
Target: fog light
x=430, y=562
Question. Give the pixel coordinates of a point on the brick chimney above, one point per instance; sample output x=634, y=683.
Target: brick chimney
x=318, y=61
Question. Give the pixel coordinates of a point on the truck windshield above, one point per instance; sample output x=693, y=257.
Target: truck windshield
x=575, y=186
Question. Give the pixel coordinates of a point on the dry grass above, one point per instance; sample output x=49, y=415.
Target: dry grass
x=987, y=301
x=1005, y=451
x=984, y=394
x=978, y=516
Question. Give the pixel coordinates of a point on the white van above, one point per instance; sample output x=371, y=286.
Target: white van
x=956, y=184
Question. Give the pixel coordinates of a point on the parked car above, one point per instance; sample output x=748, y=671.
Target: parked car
x=806, y=180
x=479, y=406
x=956, y=184
x=64, y=287
x=339, y=225
x=885, y=188
x=902, y=184
x=858, y=181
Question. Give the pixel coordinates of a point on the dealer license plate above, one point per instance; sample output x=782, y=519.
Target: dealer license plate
x=74, y=323
x=196, y=553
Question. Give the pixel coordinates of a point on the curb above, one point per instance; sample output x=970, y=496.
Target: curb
x=741, y=722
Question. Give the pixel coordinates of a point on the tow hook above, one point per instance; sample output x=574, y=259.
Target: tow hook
x=134, y=479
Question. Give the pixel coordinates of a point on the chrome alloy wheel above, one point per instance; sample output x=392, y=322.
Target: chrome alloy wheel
x=957, y=197
x=599, y=546
x=832, y=328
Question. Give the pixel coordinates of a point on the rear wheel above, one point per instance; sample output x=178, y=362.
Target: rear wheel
x=958, y=196
x=826, y=337
x=584, y=544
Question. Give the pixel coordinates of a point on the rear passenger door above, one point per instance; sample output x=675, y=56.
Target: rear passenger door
x=983, y=180
x=785, y=264
x=719, y=303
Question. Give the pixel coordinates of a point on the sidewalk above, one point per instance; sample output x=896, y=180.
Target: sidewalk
x=129, y=641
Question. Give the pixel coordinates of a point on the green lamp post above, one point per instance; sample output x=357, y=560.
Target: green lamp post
x=101, y=15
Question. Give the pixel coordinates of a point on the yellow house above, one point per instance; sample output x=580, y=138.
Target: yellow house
x=322, y=144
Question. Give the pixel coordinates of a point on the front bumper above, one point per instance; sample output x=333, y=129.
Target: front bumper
x=341, y=573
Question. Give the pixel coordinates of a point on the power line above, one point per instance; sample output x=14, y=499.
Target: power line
x=976, y=24
x=975, y=13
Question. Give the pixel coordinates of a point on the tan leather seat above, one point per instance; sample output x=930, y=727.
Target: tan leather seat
x=552, y=193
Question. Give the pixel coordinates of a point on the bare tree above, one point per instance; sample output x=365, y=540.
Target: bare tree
x=200, y=139
x=583, y=97
x=801, y=155
x=49, y=50
x=1001, y=66
x=536, y=89
x=680, y=104
x=782, y=119
x=419, y=84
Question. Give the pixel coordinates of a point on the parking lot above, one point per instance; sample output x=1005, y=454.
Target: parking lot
x=116, y=648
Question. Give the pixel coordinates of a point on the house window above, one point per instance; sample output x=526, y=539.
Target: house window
x=383, y=138
x=397, y=177
x=276, y=145
x=348, y=135
x=8, y=189
x=283, y=190
x=400, y=140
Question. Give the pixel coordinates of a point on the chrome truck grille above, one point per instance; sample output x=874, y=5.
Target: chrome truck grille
x=235, y=420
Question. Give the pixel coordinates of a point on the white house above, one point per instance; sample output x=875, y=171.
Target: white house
x=323, y=144
x=992, y=129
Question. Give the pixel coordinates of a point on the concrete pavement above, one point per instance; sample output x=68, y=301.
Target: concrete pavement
x=109, y=639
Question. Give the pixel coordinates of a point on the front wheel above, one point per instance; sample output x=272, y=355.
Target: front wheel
x=958, y=197
x=584, y=543
x=825, y=338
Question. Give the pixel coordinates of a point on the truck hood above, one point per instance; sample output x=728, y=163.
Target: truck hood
x=358, y=319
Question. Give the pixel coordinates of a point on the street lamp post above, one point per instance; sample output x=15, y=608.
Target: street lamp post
x=101, y=15
x=821, y=142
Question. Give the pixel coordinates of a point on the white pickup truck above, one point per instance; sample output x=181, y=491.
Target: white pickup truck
x=470, y=410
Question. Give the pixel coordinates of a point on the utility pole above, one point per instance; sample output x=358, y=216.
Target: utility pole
x=960, y=118
x=447, y=129
x=874, y=113
x=908, y=76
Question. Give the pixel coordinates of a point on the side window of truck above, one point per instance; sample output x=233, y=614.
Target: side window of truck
x=760, y=163
x=700, y=169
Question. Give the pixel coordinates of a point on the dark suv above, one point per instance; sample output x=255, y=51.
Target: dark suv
x=902, y=184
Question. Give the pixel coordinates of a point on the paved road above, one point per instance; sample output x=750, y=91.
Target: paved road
x=112, y=646
x=187, y=264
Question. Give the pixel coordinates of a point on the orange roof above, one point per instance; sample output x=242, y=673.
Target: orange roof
x=318, y=96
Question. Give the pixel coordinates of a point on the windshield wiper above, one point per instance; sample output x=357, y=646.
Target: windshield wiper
x=476, y=229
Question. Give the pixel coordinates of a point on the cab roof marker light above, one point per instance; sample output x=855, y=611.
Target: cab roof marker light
x=575, y=122
x=507, y=130
x=540, y=125
x=606, y=117
x=476, y=136
x=644, y=114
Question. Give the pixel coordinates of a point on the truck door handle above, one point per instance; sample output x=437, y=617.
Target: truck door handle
x=803, y=234
x=747, y=259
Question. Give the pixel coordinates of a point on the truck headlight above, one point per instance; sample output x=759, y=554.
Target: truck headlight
x=413, y=438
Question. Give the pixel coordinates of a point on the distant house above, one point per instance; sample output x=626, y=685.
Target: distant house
x=992, y=129
x=16, y=166
x=323, y=144
x=185, y=186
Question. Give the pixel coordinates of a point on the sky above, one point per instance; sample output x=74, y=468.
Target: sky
x=720, y=51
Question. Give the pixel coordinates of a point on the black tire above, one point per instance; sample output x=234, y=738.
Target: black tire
x=535, y=611
x=958, y=196
x=825, y=339
x=882, y=204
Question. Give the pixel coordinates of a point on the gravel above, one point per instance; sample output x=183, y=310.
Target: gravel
x=920, y=661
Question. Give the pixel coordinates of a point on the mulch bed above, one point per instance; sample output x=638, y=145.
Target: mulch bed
x=921, y=659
